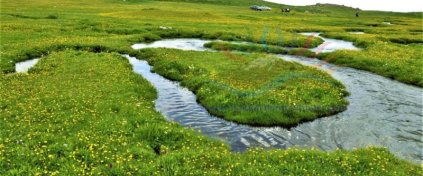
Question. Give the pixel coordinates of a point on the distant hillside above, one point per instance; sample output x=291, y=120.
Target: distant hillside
x=261, y=2
x=335, y=6
x=221, y=2
x=324, y=8
x=319, y=8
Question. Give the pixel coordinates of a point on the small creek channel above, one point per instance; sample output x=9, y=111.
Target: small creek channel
x=382, y=112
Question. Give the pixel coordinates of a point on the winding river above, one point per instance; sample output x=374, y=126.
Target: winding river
x=382, y=112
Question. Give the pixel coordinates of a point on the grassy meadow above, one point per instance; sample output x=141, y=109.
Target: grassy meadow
x=82, y=111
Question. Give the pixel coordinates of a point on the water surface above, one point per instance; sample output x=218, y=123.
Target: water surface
x=330, y=45
x=182, y=44
x=22, y=67
x=356, y=32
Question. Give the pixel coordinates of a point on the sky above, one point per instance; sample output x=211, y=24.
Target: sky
x=384, y=5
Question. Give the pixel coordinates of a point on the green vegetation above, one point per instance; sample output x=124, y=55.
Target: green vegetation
x=254, y=89
x=252, y=47
x=246, y=47
x=81, y=113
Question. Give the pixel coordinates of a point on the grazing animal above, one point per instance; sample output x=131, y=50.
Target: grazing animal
x=287, y=10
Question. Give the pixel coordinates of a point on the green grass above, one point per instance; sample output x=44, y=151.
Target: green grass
x=104, y=113
x=258, y=48
x=246, y=47
x=81, y=113
x=254, y=89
